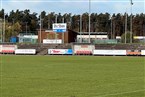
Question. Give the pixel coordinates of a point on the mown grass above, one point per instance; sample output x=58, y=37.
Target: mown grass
x=72, y=76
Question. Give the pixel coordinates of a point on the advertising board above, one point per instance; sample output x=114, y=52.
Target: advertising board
x=25, y=51
x=52, y=41
x=133, y=52
x=109, y=52
x=83, y=49
x=8, y=48
x=60, y=51
x=0, y=48
x=59, y=27
x=142, y=52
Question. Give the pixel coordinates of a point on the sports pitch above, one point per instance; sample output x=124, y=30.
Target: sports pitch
x=72, y=76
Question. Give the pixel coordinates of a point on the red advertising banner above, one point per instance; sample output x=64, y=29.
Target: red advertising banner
x=133, y=52
x=83, y=49
x=0, y=48
x=8, y=48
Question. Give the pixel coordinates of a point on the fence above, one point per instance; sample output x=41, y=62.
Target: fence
x=105, y=41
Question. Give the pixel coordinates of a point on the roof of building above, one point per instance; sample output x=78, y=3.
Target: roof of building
x=93, y=33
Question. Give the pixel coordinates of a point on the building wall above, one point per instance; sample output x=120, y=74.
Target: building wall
x=72, y=36
x=69, y=36
x=43, y=35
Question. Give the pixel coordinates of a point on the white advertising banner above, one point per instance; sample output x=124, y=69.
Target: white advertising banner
x=83, y=49
x=139, y=37
x=8, y=48
x=52, y=41
x=93, y=36
x=59, y=27
x=109, y=52
x=142, y=52
x=31, y=36
x=60, y=51
x=25, y=51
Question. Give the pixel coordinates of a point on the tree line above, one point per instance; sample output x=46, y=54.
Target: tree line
x=22, y=21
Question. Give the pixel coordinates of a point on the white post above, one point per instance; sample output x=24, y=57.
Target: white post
x=81, y=28
x=113, y=33
x=4, y=29
x=89, y=19
x=13, y=27
x=48, y=22
x=26, y=28
x=125, y=25
x=111, y=28
x=40, y=28
x=131, y=3
x=70, y=22
x=1, y=25
x=63, y=32
x=56, y=32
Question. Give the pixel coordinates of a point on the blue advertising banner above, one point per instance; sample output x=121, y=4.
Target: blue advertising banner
x=69, y=51
x=59, y=30
x=60, y=51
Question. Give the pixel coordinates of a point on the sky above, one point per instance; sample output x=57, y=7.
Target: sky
x=74, y=6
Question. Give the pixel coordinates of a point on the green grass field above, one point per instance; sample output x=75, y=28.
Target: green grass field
x=72, y=76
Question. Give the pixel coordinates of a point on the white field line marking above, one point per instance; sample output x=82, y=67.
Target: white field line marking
x=113, y=94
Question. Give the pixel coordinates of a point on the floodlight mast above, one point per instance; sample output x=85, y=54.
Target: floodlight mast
x=131, y=3
x=4, y=27
x=125, y=25
x=26, y=27
x=1, y=25
x=55, y=32
x=89, y=19
x=81, y=28
x=63, y=32
x=40, y=28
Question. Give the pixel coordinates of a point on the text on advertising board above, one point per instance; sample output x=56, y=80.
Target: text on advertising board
x=8, y=48
x=25, y=51
x=59, y=27
x=60, y=51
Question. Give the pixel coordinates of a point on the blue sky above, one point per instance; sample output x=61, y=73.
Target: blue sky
x=74, y=6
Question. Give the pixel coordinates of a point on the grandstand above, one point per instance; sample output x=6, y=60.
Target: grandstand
x=99, y=40
x=42, y=48
x=121, y=46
